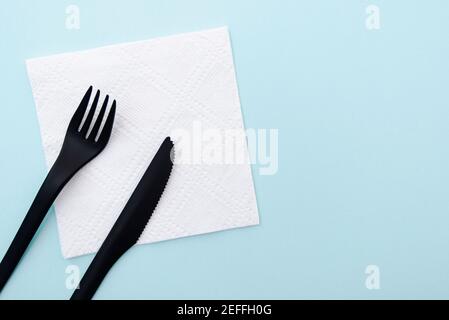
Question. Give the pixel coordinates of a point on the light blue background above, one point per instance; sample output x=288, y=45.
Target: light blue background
x=363, y=152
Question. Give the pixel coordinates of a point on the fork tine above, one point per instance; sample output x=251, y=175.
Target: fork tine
x=78, y=116
x=96, y=128
x=90, y=116
x=106, y=132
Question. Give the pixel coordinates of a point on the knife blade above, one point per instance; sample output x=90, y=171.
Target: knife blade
x=131, y=222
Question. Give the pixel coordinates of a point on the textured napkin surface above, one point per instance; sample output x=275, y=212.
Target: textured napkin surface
x=160, y=85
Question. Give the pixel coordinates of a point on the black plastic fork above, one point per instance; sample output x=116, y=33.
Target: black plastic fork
x=80, y=146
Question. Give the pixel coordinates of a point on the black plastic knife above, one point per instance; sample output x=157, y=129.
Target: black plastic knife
x=131, y=222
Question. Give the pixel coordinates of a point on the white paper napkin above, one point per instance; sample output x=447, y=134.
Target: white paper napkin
x=160, y=85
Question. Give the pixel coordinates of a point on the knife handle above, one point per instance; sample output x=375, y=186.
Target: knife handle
x=54, y=182
x=115, y=245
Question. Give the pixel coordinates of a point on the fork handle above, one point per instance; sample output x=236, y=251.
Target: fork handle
x=54, y=182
